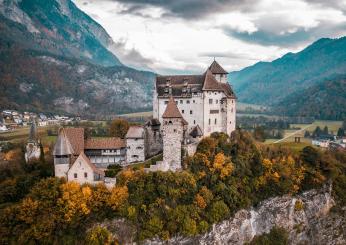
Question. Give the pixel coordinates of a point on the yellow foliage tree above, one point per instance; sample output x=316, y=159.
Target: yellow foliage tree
x=75, y=200
x=118, y=197
x=222, y=165
x=199, y=200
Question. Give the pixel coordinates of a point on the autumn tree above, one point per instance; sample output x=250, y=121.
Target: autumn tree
x=98, y=236
x=118, y=128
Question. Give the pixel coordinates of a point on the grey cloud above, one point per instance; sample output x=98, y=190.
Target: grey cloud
x=189, y=9
x=228, y=54
x=264, y=36
x=131, y=57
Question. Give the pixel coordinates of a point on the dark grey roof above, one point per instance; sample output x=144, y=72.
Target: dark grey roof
x=187, y=85
x=215, y=68
x=196, y=131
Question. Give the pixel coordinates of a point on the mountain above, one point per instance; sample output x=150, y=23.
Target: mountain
x=38, y=81
x=57, y=27
x=270, y=83
x=326, y=100
x=55, y=58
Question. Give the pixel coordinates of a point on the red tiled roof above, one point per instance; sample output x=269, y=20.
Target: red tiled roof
x=76, y=139
x=172, y=110
x=135, y=132
x=215, y=68
x=93, y=167
x=104, y=143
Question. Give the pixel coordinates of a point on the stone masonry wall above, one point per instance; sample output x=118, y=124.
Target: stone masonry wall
x=172, y=142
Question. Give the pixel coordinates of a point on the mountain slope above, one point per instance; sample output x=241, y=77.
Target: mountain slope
x=54, y=58
x=38, y=81
x=271, y=82
x=55, y=26
x=326, y=100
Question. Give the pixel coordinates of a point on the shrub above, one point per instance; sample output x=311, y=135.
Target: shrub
x=298, y=206
x=276, y=236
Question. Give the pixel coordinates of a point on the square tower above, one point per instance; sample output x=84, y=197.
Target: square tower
x=173, y=130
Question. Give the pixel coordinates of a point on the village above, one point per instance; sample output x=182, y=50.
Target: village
x=12, y=119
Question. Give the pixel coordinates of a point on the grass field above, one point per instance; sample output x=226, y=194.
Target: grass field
x=137, y=114
x=21, y=135
x=332, y=125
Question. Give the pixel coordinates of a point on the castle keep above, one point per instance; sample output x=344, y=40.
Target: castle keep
x=206, y=100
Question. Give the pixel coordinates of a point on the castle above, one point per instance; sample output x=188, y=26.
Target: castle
x=186, y=108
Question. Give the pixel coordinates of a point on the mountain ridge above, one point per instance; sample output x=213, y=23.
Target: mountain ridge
x=265, y=82
x=54, y=58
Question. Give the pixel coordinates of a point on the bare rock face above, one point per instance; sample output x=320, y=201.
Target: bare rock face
x=306, y=217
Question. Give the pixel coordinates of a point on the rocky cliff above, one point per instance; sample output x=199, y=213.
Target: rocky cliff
x=306, y=217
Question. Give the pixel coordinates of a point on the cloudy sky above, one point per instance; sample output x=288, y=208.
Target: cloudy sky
x=180, y=36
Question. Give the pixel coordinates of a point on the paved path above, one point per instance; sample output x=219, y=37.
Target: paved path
x=290, y=135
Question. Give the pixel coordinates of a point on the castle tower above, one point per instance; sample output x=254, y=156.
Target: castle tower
x=62, y=155
x=173, y=129
x=219, y=73
x=33, y=150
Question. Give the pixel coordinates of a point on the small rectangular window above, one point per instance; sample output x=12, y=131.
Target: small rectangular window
x=187, y=102
x=191, y=112
x=209, y=121
x=182, y=111
x=193, y=101
x=194, y=121
x=216, y=101
x=214, y=111
x=215, y=121
x=181, y=101
x=210, y=101
x=86, y=175
x=166, y=102
x=75, y=175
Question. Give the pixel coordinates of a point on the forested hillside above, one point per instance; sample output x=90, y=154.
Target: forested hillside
x=326, y=100
x=270, y=83
x=225, y=175
x=38, y=81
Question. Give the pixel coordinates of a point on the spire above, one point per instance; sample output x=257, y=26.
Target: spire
x=172, y=110
x=33, y=131
x=215, y=68
x=62, y=146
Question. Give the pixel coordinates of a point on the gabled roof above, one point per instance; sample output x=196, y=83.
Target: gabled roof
x=135, y=132
x=89, y=163
x=153, y=122
x=62, y=146
x=104, y=143
x=215, y=68
x=210, y=83
x=76, y=138
x=196, y=131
